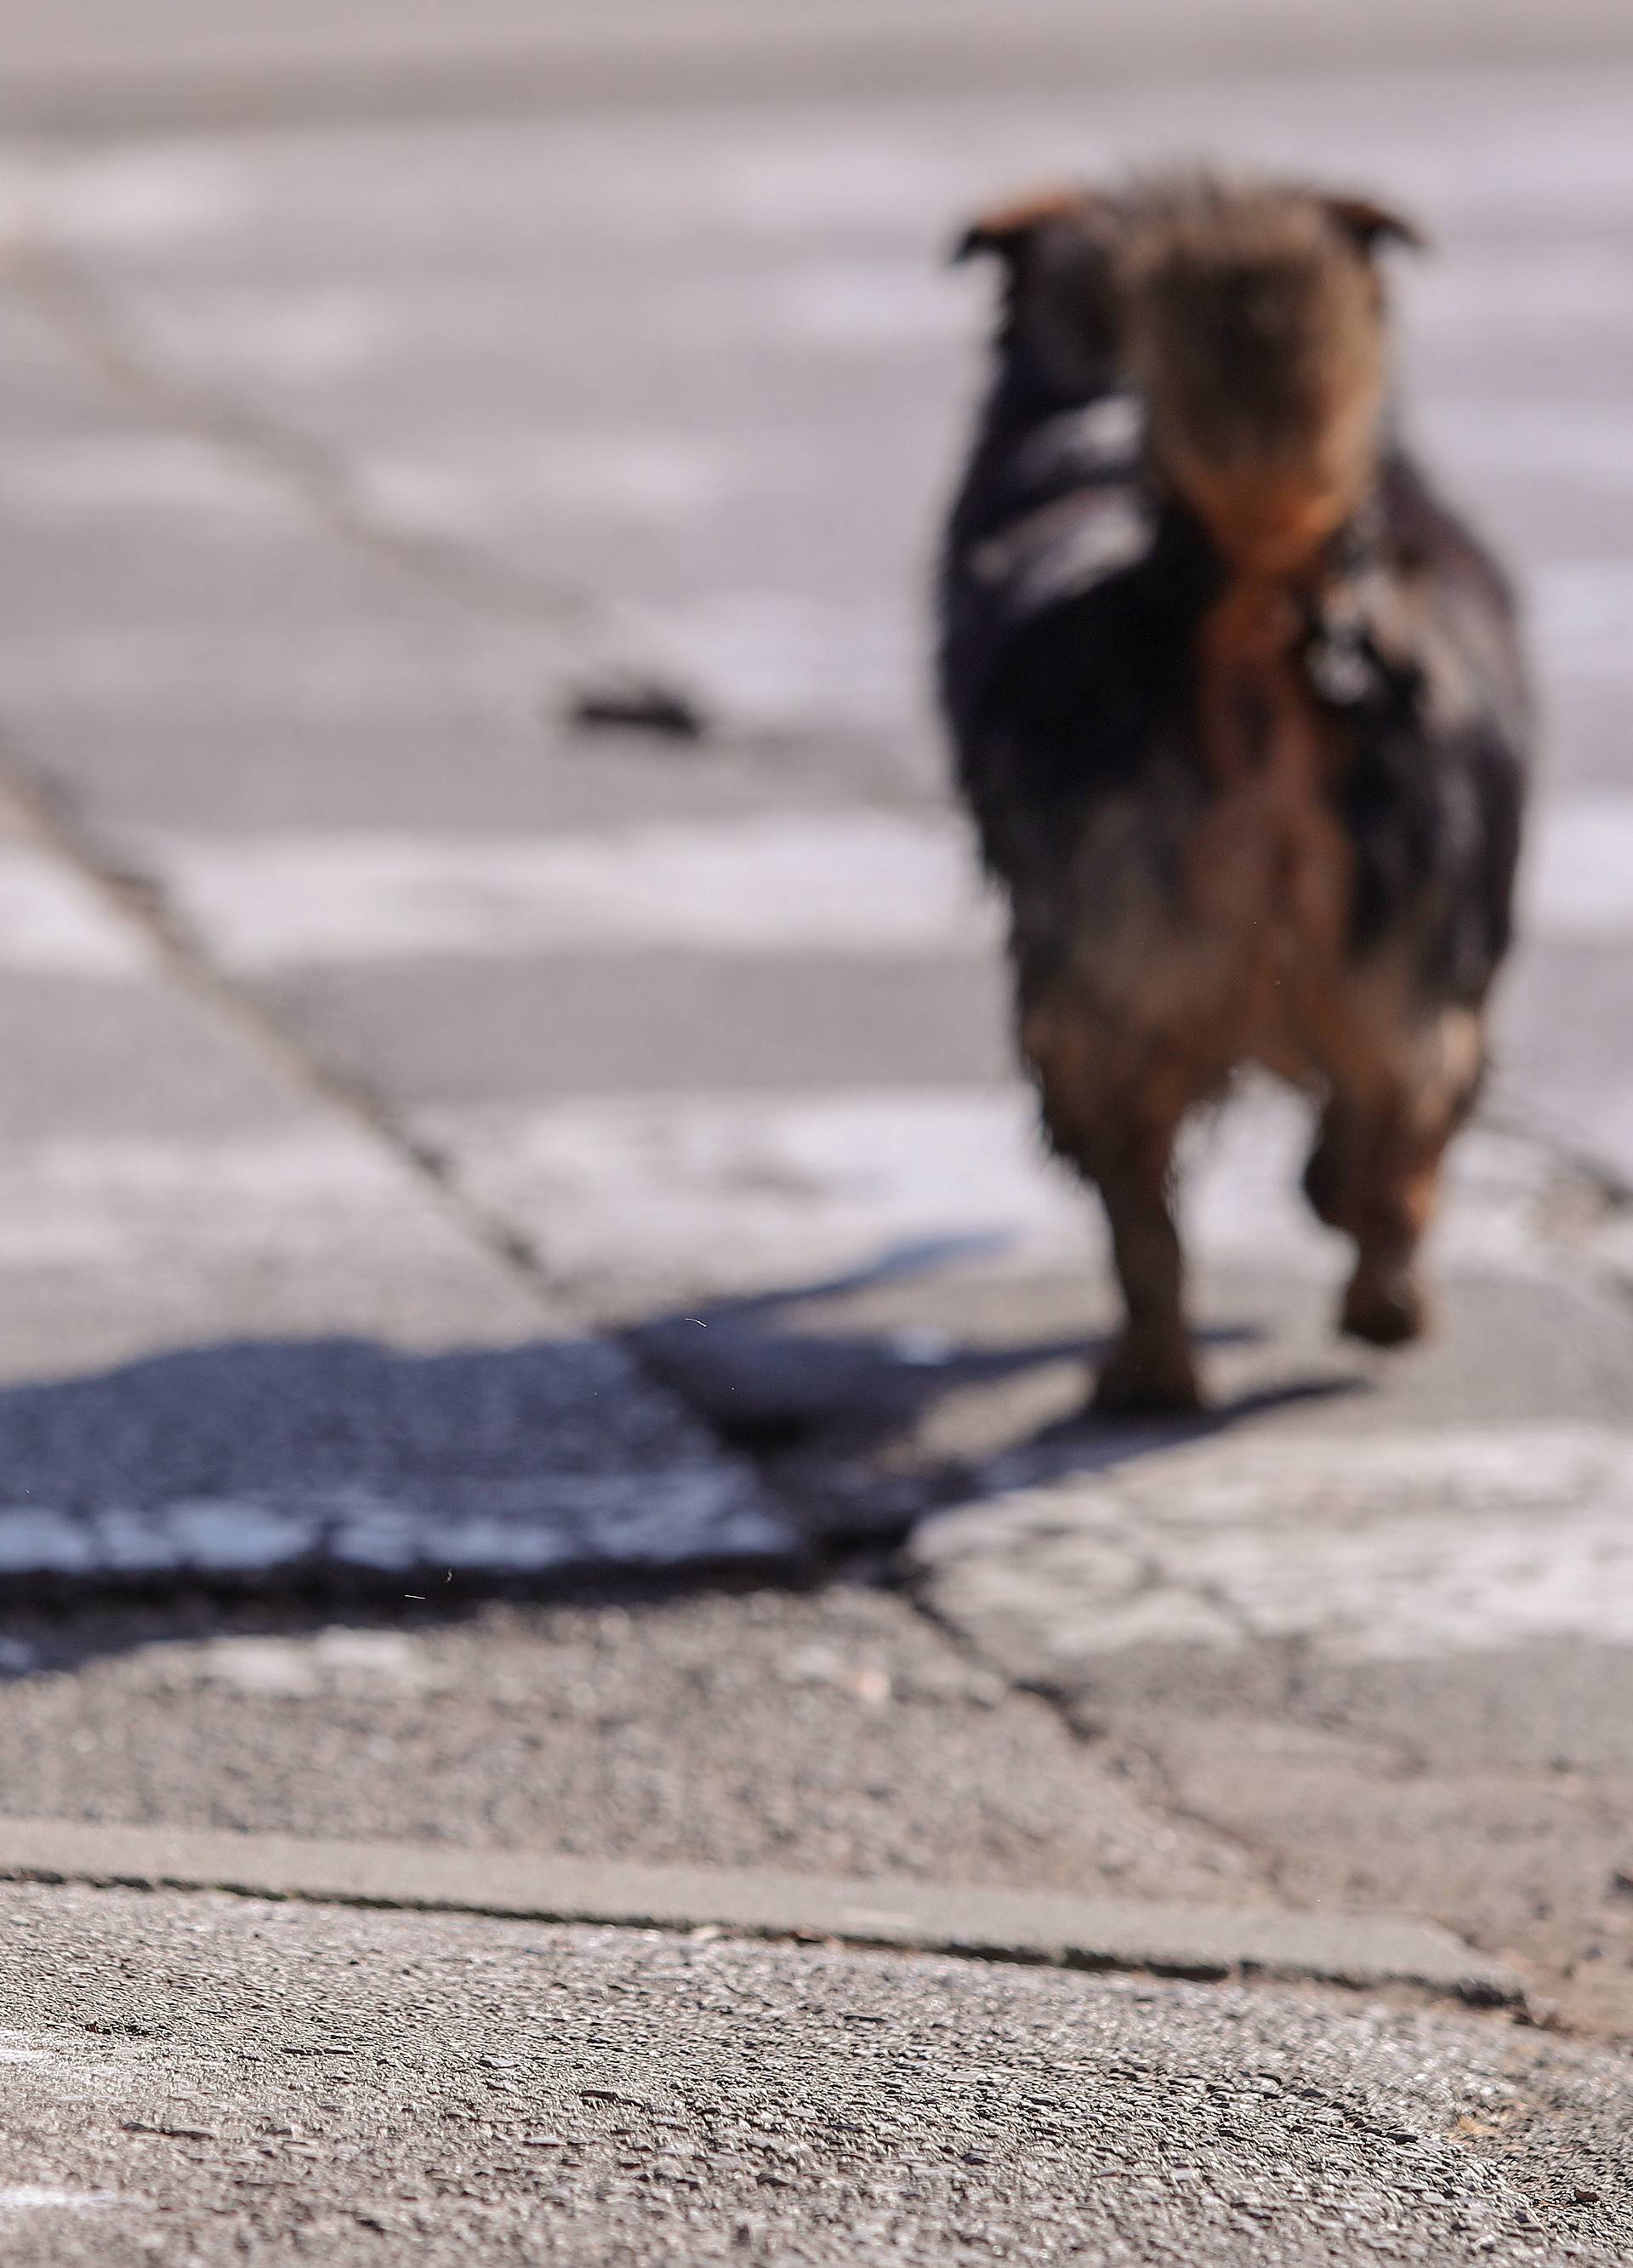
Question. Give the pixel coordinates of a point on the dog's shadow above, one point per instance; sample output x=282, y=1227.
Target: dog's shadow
x=817, y=1403
x=537, y=1468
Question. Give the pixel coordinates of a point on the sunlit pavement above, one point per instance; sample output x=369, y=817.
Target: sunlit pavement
x=444, y=1145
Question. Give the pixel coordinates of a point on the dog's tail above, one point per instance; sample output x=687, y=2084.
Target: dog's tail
x=1256, y=327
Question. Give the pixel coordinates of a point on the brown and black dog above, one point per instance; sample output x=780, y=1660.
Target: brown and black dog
x=1238, y=708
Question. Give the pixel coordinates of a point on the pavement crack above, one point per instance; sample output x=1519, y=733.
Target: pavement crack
x=1586, y=1190
x=1576, y=1159
x=1140, y=1760
x=606, y=666
x=37, y=809
x=594, y=635
x=1162, y=1788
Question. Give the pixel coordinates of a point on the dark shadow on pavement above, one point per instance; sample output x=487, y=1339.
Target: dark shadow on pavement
x=823, y=1409
x=738, y=1442
x=298, y=1460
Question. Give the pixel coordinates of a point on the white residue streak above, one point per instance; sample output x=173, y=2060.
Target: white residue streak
x=34, y=2196
x=88, y=476
x=654, y=1518
x=837, y=882
x=864, y=304
x=650, y=477
x=53, y=922
x=626, y=1189
x=335, y=1660
x=1404, y=1547
x=1578, y=882
x=138, y=1203
x=847, y=881
x=132, y=197
x=637, y=1184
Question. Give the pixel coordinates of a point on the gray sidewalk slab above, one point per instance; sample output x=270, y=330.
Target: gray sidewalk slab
x=242, y=1336
x=616, y=1105
x=734, y=455
x=748, y=426
x=436, y=1033
x=172, y=63
x=249, y=2079
x=1394, y=1663
x=171, y=1181
x=832, y=1733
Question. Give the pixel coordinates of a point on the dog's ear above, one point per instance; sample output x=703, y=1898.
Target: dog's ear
x=1006, y=229
x=1059, y=293
x=1372, y=226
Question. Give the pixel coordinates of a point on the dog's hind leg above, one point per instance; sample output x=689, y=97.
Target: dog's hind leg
x=1374, y=1173
x=1113, y=1109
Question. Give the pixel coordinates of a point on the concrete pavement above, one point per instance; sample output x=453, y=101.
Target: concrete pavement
x=304, y=574
x=401, y=1079
x=829, y=1732
x=169, y=64
x=239, y=2081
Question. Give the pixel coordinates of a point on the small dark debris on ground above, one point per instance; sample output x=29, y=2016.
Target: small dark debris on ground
x=636, y=705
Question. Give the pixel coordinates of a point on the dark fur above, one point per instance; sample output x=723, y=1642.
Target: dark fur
x=1076, y=591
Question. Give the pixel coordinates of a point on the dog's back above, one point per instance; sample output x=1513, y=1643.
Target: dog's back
x=1236, y=701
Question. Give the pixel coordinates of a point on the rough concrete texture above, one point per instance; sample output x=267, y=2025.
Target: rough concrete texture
x=1392, y=1668
x=339, y=1460
x=305, y=429
x=237, y=2081
x=834, y=1735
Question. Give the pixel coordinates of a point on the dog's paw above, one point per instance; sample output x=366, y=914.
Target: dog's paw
x=1385, y=1311
x=1139, y=1380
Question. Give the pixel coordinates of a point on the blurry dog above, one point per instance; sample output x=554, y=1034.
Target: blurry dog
x=1239, y=707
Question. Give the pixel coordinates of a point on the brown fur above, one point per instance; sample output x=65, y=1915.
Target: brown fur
x=1005, y=226
x=1252, y=321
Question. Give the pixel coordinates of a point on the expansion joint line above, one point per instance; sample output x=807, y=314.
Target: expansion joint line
x=80, y=312
x=37, y=811
x=588, y=631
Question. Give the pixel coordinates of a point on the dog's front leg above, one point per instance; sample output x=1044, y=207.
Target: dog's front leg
x=1113, y=1100
x=1151, y=1368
